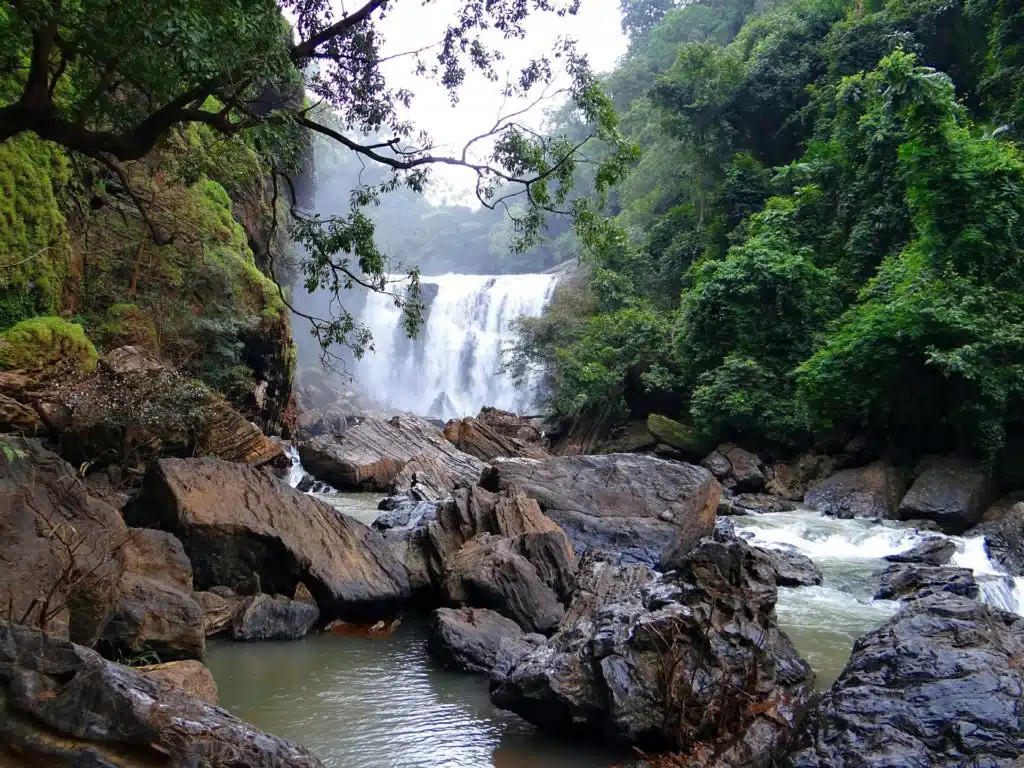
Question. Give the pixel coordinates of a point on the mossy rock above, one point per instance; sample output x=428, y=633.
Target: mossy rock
x=691, y=441
x=44, y=342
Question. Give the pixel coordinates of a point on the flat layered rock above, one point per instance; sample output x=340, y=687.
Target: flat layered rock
x=641, y=507
x=240, y=525
x=483, y=441
x=371, y=454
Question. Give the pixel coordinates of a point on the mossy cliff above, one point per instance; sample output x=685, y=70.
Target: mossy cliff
x=179, y=279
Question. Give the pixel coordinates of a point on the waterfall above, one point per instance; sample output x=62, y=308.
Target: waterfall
x=453, y=368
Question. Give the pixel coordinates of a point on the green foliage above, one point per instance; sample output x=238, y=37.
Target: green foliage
x=34, y=245
x=828, y=216
x=126, y=324
x=42, y=342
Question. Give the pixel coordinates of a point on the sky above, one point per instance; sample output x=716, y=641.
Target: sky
x=410, y=25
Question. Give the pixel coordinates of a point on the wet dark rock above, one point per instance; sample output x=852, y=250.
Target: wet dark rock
x=156, y=611
x=953, y=492
x=469, y=638
x=66, y=707
x=246, y=530
x=934, y=550
x=306, y=483
x=909, y=581
x=759, y=504
x=262, y=617
x=873, y=491
x=736, y=469
x=939, y=686
x=1004, y=539
x=616, y=502
x=403, y=512
x=603, y=673
x=791, y=568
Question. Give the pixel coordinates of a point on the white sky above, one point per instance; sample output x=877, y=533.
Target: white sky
x=410, y=25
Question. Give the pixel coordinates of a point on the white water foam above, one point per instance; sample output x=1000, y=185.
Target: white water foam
x=454, y=367
x=295, y=471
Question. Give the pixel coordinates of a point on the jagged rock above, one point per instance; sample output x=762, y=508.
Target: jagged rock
x=156, y=611
x=939, y=686
x=262, y=617
x=791, y=479
x=791, y=568
x=19, y=419
x=909, y=581
x=932, y=551
x=403, y=512
x=1004, y=539
x=873, y=491
x=604, y=672
x=66, y=707
x=424, y=478
x=735, y=468
x=306, y=483
x=188, y=675
x=468, y=638
x=512, y=648
x=508, y=424
x=479, y=439
x=616, y=502
x=953, y=492
x=218, y=607
x=488, y=572
x=370, y=455
x=238, y=523
x=45, y=514
x=759, y=504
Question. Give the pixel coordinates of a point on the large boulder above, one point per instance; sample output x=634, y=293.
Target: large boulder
x=637, y=506
x=66, y=707
x=791, y=479
x=262, y=617
x=479, y=439
x=791, y=568
x=469, y=639
x=239, y=524
x=1004, y=539
x=692, y=661
x=369, y=455
x=951, y=491
x=190, y=676
x=873, y=491
x=156, y=611
x=939, y=686
x=736, y=469
x=61, y=555
x=686, y=440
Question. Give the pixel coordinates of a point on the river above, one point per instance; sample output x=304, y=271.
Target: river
x=375, y=702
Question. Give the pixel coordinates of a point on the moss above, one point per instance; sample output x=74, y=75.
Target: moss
x=45, y=341
x=127, y=324
x=35, y=248
x=683, y=437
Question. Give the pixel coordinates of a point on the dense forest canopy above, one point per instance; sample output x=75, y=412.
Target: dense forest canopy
x=115, y=82
x=823, y=236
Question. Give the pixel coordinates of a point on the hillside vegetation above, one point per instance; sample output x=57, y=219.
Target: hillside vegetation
x=824, y=236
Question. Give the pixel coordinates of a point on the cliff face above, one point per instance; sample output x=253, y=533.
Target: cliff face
x=172, y=258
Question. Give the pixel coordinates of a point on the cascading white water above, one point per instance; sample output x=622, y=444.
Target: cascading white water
x=824, y=621
x=453, y=368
